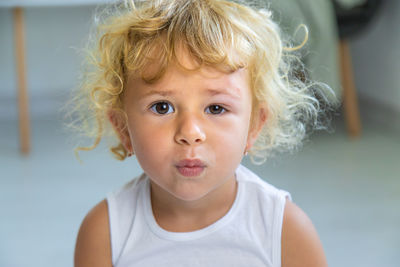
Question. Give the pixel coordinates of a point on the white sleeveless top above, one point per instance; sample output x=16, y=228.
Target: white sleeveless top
x=248, y=235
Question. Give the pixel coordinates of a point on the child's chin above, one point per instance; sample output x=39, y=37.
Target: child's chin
x=190, y=195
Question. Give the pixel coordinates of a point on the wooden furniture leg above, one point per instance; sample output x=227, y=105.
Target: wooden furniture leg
x=350, y=102
x=23, y=101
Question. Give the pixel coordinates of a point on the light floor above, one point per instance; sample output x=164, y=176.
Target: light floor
x=350, y=189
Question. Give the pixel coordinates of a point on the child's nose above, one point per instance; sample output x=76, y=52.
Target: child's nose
x=189, y=131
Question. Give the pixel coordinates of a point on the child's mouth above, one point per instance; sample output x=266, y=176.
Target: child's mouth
x=190, y=167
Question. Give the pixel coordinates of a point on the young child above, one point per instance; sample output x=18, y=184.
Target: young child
x=190, y=87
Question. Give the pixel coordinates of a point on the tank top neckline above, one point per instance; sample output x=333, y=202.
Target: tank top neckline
x=186, y=236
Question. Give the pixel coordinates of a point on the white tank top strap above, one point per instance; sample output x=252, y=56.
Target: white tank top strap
x=122, y=205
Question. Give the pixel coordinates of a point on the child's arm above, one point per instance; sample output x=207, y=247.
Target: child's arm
x=301, y=246
x=93, y=242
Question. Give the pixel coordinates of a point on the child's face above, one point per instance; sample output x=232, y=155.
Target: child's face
x=199, y=115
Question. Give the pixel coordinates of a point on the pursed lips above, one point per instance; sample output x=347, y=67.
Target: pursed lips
x=190, y=167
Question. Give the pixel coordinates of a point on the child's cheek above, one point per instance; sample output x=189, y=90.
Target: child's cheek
x=150, y=139
x=230, y=134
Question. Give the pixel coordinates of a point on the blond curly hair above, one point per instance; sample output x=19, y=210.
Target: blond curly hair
x=133, y=34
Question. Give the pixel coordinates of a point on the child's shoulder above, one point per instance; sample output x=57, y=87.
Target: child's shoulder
x=300, y=242
x=93, y=244
x=93, y=241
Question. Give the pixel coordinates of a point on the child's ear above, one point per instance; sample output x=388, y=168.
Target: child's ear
x=257, y=124
x=120, y=127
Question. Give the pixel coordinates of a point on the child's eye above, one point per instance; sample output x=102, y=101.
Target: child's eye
x=215, y=109
x=162, y=108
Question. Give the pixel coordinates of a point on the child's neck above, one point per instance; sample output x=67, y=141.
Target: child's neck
x=176, y=215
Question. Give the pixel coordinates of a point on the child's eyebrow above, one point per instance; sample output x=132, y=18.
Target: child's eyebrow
x=155, y=92
x=234, y=93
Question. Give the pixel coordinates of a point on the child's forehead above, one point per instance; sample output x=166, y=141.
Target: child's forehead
x=157, y=65
x=211, y=77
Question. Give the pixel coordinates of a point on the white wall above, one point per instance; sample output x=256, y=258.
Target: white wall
x=376, y=58
x=52, y=62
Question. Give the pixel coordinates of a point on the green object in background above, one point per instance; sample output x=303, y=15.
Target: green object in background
x=348, y=4
x=320, y=54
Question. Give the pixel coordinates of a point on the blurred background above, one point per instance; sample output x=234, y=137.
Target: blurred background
x=347, y=181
